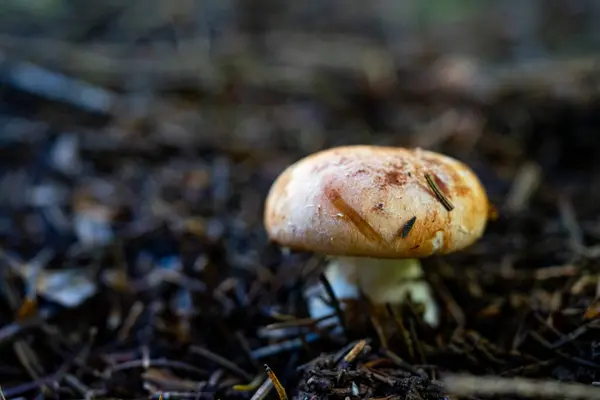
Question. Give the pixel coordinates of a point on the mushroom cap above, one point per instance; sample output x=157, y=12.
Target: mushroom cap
x=358, y=200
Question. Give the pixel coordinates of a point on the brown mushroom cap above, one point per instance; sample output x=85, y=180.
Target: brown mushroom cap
x=358, y=200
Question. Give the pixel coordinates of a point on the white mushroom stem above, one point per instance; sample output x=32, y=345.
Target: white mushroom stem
x=382, y=280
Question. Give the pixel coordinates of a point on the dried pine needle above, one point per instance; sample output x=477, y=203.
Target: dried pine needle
x=249, y=386
x=355, y=351
x=263, y=390
x=376, y=362
x=276, y=384
x=438, y=192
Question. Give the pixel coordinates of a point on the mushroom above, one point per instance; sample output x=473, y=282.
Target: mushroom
x=375, y=211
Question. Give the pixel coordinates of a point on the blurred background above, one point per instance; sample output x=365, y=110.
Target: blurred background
x=141, y=136
x=224, y=92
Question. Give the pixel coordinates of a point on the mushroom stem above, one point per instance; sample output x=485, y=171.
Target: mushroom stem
x=382, y=280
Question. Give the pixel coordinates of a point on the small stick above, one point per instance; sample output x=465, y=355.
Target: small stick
x=443, y=199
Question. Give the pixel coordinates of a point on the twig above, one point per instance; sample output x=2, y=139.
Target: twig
x=468, y=385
